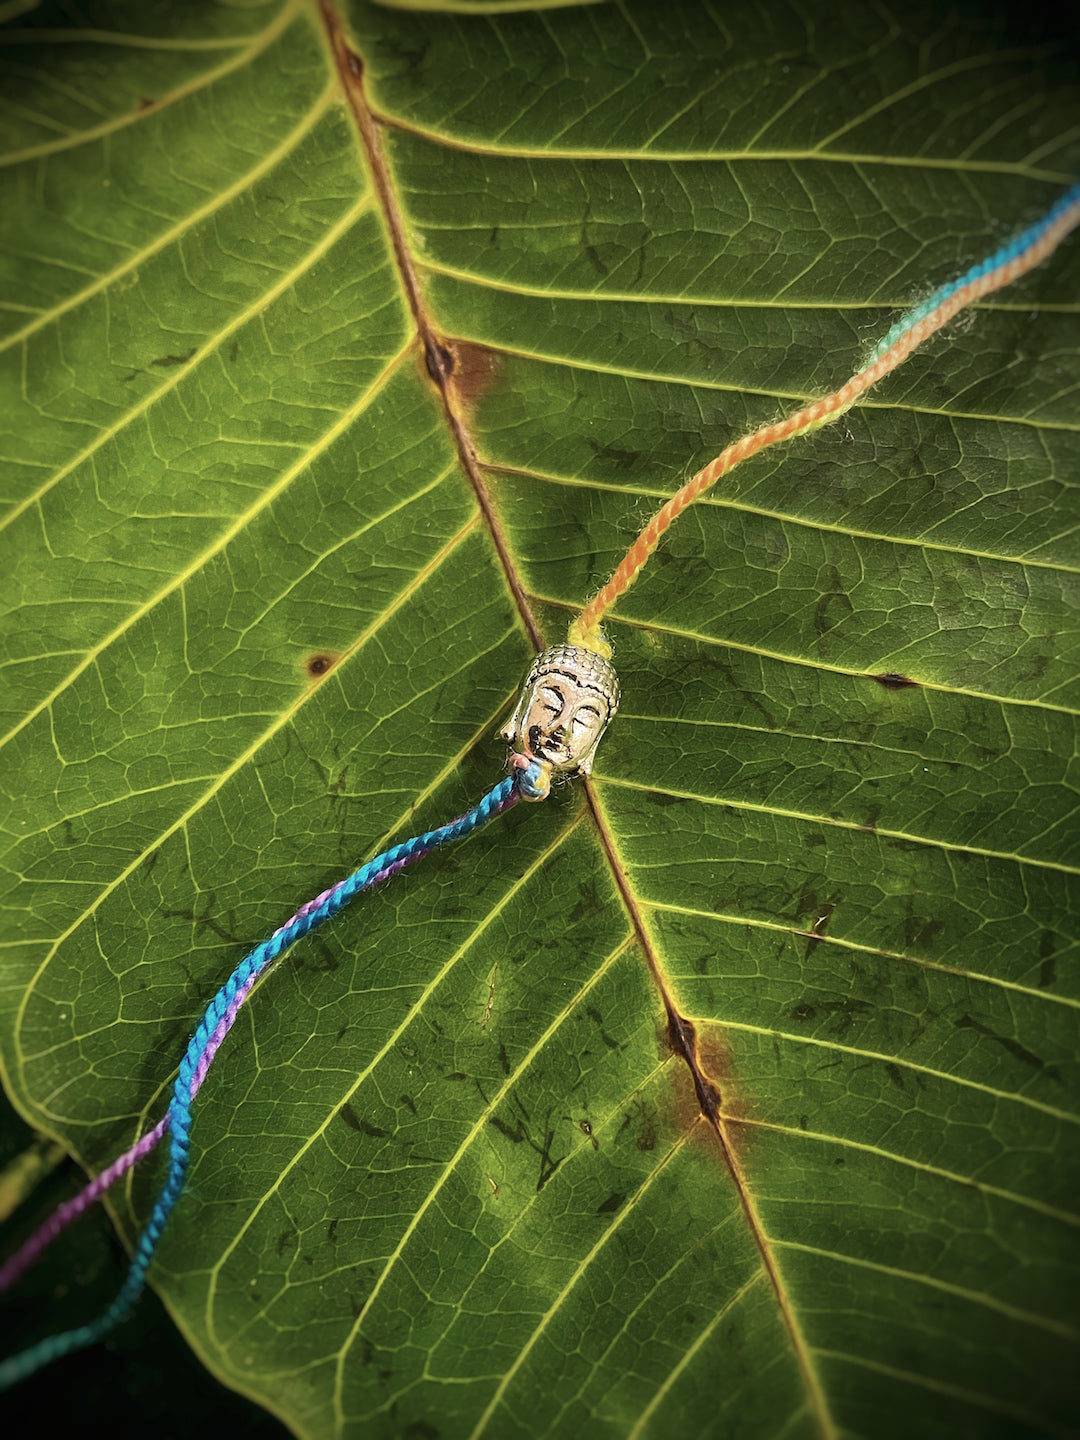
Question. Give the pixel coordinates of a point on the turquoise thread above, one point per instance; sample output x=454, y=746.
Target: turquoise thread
x=527, y=782
x=1005, y=256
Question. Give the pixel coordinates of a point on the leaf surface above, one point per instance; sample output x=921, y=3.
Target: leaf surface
x=331, y=385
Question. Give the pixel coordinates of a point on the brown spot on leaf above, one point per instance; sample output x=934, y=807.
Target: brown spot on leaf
x=474, y=372
x=320, y=663
x=1014, y=1048
x=438, y=358
x=167, y=361
x=697, y=1082
x=893, y=680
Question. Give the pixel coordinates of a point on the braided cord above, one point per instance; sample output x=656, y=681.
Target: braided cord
x=529, y=781
x=1000, y=269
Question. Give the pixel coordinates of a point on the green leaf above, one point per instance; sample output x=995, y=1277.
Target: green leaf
x=270, y=588
x=163, y=1387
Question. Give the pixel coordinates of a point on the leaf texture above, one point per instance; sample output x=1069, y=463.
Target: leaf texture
x=344, y=351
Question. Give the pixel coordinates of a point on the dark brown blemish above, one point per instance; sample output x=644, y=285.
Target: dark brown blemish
x=844, y=1012
x=474, y=372
x=622, y=459
x=331, y=1231
x=409, y=1101
x=439, y=359
x=893, y=680
x=588, y=249
x=515, y=1135
x=598, y=1020
x=319, y=959
x=1020, y=1052
x=663, y=800
x=362, y=1127
x=283, y=1239
x=611, y=1204
x=318, y=664
x=895, y=1074
x=166, y=361
x=206, y=921
x=548, y=1166
x=682, y=1037
x=831, y=610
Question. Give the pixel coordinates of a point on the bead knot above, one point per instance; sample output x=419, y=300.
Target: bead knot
x=533, y=778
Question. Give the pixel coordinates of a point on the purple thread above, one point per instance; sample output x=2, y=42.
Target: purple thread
x=62, y=1217
x=27, y=1253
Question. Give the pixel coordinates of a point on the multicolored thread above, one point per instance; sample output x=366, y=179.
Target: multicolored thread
x=529, y=780
x=1000, y=269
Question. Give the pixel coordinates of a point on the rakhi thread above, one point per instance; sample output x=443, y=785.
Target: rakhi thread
x=556, y=749
x=1028, y=250
x=529, y=780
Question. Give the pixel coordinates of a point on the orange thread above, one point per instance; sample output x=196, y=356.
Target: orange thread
x=585, y=629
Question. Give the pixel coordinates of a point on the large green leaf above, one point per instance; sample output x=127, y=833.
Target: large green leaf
x=454, y=1171
x=145, y=1380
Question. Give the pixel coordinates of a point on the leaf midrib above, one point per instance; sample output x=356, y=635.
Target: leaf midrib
x=350, y=71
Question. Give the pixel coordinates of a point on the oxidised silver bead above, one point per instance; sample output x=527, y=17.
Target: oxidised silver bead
x=568, y=700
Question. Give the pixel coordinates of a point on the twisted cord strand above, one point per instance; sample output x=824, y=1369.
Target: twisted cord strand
x=529, y=780
x=1028, y=250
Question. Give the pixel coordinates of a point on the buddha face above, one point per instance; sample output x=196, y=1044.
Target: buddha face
x=564, y=709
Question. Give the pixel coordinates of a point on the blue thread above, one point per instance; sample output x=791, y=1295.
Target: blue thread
x=526, y=782
x=1012, y=251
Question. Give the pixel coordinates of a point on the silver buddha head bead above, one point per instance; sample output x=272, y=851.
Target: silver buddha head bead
x=569, y=698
